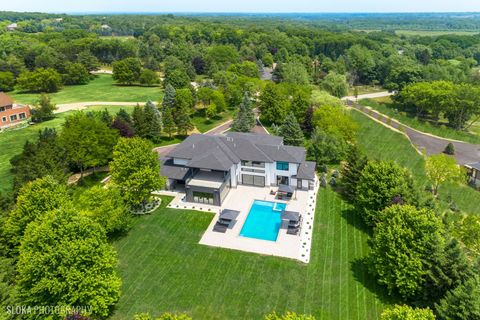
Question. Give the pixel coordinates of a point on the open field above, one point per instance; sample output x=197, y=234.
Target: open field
x=434, y=33
x=384, y=105
x=382, y=143
x=163, y=268
x=11, y=142
x=102, y=88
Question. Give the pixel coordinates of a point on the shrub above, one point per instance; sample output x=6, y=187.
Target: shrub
x=450, y=149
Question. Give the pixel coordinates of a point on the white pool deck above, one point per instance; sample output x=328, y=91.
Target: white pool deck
x=241, y=199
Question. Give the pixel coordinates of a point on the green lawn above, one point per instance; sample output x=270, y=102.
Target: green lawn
x=365, y=90
x=380, y=142
x=102, y=88
x=434, y=33
x=11, y=142
x=163, y=268
x=388, y=108
x=203, y=124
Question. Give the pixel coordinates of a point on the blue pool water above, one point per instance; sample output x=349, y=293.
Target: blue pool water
x=263, y=220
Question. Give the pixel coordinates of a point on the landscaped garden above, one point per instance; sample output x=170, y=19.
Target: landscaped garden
x=163, y=268
x=102, y=88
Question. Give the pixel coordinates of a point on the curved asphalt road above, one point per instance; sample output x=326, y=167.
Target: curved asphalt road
x=465, y=153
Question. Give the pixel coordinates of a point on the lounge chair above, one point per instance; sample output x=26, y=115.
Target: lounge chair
x=220, y=228
x=293, y=231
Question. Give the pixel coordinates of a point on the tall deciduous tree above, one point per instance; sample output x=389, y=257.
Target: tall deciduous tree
x=380, y=185
x=49, y=274
x=402, y=242
x=43, y=109
x=127, y=71
x=335, y=84
x=34, y=200
x=273, y=104
x=135, y=170
x=87, y=140
x=106, y=207
x=291, y=132
x=441, y=168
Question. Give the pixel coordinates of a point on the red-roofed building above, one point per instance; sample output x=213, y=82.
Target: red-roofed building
x=12, y=113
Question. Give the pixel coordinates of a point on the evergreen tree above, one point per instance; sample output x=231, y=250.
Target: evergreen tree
x=245, y=118
x=307, y=124
x=169, y=97
x=153, y=121
x=124, y=115
x=139, y=122
x=183, y=121
x=169, y=125
x=106, y=117
x=462, y=303
x=291, y=132
x=351, y=171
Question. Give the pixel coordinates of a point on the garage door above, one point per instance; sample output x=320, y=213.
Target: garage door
x=252, y=180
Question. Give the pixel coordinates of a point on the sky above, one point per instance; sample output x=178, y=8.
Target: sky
x=241, y=5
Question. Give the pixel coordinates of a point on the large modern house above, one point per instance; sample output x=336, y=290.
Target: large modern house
x=208, y=166
x=12, y=113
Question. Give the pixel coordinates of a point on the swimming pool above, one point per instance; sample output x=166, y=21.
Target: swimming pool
x=263, y=220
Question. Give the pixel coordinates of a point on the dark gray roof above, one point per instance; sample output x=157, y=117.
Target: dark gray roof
x=217, y=152
x=290, y=215
x=285, y=188
x=306, y=170
x=284, y=153
x=256, y=137
x=168, y=169
x=475, y=166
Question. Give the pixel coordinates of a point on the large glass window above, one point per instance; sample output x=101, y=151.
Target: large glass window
x=13, y=117
x=255, y=164
x=22, y=115
x=282, y=166
x=203, y=197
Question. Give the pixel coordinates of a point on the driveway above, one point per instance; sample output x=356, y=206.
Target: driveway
x=465, y=153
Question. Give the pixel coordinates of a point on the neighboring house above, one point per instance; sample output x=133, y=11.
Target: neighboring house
x=474, y=173
x=105, y=27
x=207, y=166
x=11, y=113
x=12, y=27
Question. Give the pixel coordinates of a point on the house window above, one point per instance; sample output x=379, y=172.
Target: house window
x=4, y=119
x=255, y=164
x=283, y=166
x=22, y=115
x=2, y=109
x=299, y=183
x=13, y=117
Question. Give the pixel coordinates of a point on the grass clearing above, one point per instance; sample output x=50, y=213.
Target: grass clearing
x=11, y=142
x=203, y=124
x=163, y=268
x=434, y=33
x=382, y=143
x=365, y=90
x=385, y=106
x=102, y=88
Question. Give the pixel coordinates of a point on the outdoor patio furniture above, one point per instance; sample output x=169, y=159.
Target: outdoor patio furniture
x=285, y=192
x=229, y=215
x=293, y=231
x=272, y=192
x=219, y=227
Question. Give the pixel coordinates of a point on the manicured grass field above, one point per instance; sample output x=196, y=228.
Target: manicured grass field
x=102, y=88
x=11, y=142
x=382, y=143
x=385, y=106
x=163, y=268
x=203, y=124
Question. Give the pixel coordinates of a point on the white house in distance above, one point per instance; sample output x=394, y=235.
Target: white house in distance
x=12, y=27
x=208, y=166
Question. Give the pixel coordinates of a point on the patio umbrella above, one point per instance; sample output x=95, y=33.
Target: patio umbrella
x=285, y=188
x=228, y=214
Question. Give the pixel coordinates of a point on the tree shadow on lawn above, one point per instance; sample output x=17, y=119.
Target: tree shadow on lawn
x=353, y=218
x=361, y=273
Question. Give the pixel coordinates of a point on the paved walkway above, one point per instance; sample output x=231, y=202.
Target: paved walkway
x=83, y=105
x=370, y=96
x=464, y=152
